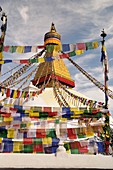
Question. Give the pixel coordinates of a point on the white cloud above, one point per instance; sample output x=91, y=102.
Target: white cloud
x=24, y=13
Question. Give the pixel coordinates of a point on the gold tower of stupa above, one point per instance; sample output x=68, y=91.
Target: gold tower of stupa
x=56, y=67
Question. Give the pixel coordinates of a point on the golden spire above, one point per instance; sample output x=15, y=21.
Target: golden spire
x=53, y=29
x=45, y=69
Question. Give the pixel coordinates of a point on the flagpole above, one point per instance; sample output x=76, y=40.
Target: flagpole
x=3, y=31
x=103, y=35
x=106, y=127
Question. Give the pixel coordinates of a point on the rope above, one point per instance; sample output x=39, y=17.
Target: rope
x=43, y=86
x=59, y=93
x=10, y=70
x=46, y=74
x=18, y=81
x=92, y=79
x=57, y=97
x=56, y=91
x=27, y=78
x=18, y=73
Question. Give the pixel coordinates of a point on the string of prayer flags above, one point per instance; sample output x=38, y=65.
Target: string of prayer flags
x=83, y=100
x=22, y=49
x=28, y=61
x=51, y=48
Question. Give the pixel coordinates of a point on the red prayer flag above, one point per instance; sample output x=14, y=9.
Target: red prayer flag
x=24, y=61
x=18, y=94
x=38, y=148
x=7, y=92
x=64, y=55
x=81, y=46
x=27, y=141
x=6, y=48
x=71, y=133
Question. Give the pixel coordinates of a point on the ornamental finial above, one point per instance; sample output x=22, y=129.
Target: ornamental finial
x=53, y=28
x=103, y=34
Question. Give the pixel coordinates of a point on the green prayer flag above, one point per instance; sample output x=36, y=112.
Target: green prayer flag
x=71, y=54
x=12, y=49
x=89, y=45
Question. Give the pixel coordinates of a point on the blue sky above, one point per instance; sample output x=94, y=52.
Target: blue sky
x=76, y=21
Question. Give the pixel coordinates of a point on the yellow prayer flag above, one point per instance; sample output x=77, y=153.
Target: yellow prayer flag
x=34, y=114
x=63, y=119
x=20, y=49
x=1, y=56
x=17, y=146
x=74, y=109
x=95, y=44
x=50, y=118
x=2, y=90
x=23, y=94
x=29, y=124
x=78, y=112
x=78, y=52
x=89, y=133
x=47, y=140
x=27, y=111
x=10, y=133
x=15, y=94
x=8, y=119
x=2, y=62
x=0, y=140
x=9, y=105
x=41, y=60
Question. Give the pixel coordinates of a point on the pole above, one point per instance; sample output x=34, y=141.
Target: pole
x=106, y=127
x=3, y=31
x=103, y=35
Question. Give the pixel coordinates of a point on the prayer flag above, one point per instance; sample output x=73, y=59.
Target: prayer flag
x=7, y=92
x=96, y=44
x=12, y=49
x=65, y=47
x=7, y=61
x=72, y=47
x=6, y=48
x=15, y=94
x=20, y=49
x=24, y=61
x=64, y=55
x=27, y=49
x=79, y=52
x=71, y=54
x=1, y=56
x=34, y=49
x=81, y=46
x=2, y=62
x=89, y=45
x=41, y=60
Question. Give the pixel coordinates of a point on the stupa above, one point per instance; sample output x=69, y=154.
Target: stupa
x=48, y=112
